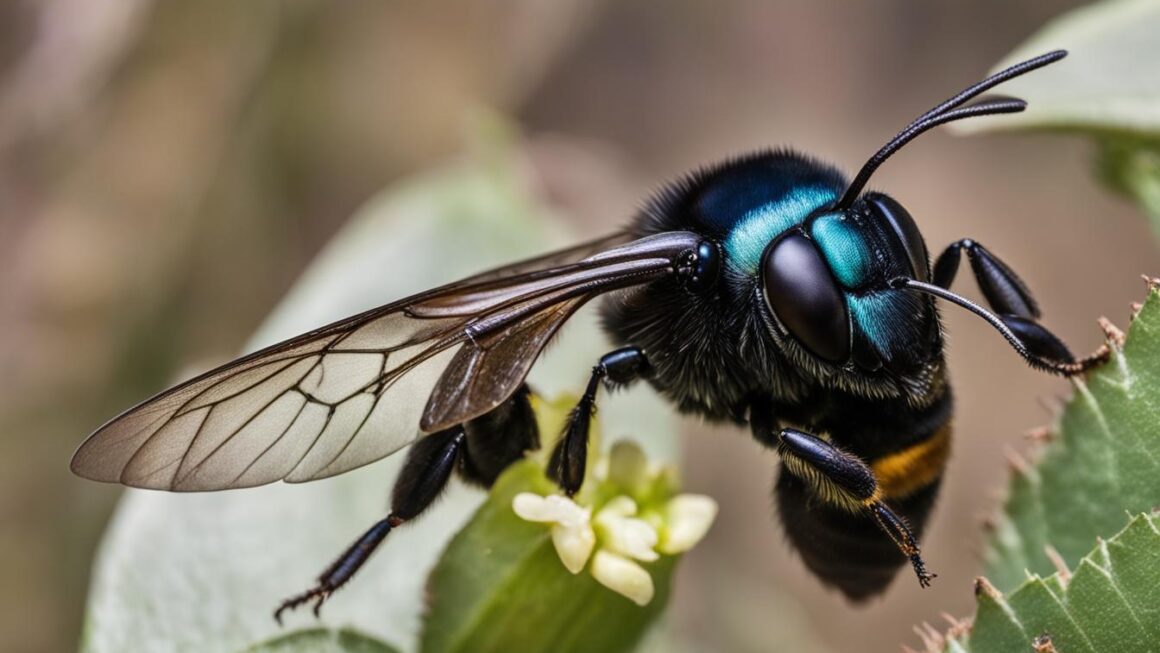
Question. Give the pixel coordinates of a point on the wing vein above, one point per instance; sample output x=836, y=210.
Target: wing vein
x=267, y=448
x=233, y=434
x=354, y=434
x=182, y=409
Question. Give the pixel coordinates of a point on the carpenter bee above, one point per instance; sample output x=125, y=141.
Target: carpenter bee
x=766, y=290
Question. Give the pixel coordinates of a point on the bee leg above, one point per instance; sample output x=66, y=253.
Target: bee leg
x=843, y=479
x=895, y=527
x=1016, y=314
x=839, y=479
x=569, y=460
x=1005, y=291
x=429, y=464
x=499, y=438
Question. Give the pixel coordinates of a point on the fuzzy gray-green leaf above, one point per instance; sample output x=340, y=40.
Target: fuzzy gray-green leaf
x=1108, y=89
x=322, y=640
x=1110, y=81
x=203, y=572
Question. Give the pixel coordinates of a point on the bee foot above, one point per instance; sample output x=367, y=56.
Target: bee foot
x=924, y=577
x=319, y=592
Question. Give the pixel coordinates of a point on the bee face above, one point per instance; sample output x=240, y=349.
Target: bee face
x=825, y=282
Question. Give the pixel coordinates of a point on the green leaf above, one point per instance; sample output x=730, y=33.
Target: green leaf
x=1102, y=460
x=500, y=587
x=1108, y=89
x=203, y=572
x=1110, y=81
x=1131, y=166
x=1109, y=603
x=323, y=640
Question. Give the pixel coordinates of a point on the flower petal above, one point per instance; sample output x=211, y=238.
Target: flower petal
x=531, y=507
x=621, y=506
x=627, y=536
x=623, y=576
x=574, y=545
x=552, y=509
x=687, y=519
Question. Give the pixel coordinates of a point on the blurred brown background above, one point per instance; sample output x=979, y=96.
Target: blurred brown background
x=166, y=169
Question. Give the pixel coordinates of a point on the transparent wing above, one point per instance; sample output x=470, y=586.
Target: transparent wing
x=551, y=259
x=360, y=389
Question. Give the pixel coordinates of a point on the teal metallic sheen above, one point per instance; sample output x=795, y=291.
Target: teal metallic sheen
x=887, y=319
x=754, y=231
x=844, y=247
x=874, y=315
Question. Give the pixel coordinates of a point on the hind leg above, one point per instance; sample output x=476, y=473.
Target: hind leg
x=480, y=450
x=849, y=502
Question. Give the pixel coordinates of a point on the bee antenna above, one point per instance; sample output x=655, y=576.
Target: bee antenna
x=948, y=111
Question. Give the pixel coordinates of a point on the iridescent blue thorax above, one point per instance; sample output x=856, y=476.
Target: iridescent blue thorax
x=759, y=200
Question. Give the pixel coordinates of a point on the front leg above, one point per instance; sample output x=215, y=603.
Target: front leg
x=1016, y=312
x=1005, y=292
x=616, y=369
x=839, y=479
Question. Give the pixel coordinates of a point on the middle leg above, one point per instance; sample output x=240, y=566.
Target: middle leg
x=616, y=369
x=842, y=480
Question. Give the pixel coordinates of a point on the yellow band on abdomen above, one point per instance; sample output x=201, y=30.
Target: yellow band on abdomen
x=903, y=473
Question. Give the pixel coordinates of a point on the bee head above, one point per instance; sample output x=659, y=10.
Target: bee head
x=825, y=281
x=826, y=284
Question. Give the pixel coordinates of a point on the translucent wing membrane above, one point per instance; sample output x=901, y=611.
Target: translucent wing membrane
x=360, y=389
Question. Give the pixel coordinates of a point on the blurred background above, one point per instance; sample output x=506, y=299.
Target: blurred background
x=167, y=169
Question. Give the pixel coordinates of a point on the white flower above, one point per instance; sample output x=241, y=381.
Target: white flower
x=624, y=539
x=623, y=576
x=687, y=517
x=572, y=533
x=622, y=534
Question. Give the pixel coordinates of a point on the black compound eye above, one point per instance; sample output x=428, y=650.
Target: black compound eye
x=904, y=227
x=800, y=289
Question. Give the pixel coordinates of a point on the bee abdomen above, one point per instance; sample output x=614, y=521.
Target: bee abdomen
x=844, y=550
